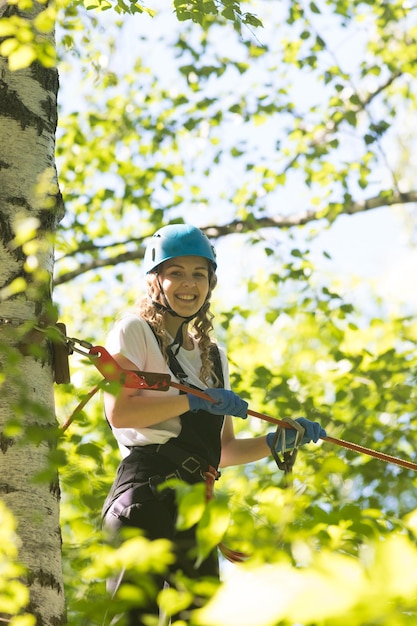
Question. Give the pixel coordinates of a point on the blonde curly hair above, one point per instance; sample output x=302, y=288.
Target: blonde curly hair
x=201, y=325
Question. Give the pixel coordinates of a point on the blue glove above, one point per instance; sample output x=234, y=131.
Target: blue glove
x=312, y=432
x=224, y=402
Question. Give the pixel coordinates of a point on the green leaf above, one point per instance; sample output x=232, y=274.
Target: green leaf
x=191, y=505
x=212, y=526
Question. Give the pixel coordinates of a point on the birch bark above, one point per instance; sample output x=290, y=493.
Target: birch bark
x=30, y=209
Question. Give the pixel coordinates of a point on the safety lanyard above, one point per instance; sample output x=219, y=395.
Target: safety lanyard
x=113, y=372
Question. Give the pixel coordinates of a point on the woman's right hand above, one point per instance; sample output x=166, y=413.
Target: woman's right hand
x=223, y=402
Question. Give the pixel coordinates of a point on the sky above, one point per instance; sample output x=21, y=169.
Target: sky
x=376, y=248
x=370, y=253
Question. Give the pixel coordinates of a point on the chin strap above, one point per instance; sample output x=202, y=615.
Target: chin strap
x=179, y=337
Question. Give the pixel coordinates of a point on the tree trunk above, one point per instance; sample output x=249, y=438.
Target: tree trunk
x=30, y=209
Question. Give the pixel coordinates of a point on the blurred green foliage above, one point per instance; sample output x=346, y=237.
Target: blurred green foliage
x=14, y=596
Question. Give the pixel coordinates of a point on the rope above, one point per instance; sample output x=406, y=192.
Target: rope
x=80, y=406
x=112, y=371
x=382, y=456
x=234, y=556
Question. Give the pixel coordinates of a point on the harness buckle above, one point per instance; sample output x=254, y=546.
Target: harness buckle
x=191, y=465
x=175, y=474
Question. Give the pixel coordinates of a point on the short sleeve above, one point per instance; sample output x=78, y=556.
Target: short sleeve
x=128, y=337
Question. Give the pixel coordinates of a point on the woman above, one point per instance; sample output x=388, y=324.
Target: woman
x=168, y=434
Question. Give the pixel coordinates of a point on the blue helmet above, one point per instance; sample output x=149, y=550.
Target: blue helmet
x=177, y=240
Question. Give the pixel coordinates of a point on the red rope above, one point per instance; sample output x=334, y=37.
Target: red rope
x=382, y=456
x=339, y=442
x=112, y=371
x=80, y=407
x=234, y=556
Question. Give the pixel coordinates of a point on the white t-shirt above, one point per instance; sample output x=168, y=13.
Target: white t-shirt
x=132, y=337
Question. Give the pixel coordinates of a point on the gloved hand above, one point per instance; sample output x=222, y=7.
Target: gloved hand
x=312, y=432
x=225, y=402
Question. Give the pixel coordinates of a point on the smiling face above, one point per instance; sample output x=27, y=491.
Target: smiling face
x=185, y=282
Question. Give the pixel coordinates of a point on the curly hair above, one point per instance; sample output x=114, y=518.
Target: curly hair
x=201, y=325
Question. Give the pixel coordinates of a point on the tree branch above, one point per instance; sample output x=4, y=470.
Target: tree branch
x=241, y=226
x=124, y=257
x=300, y=219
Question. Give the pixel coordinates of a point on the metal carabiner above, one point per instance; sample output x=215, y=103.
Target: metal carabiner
x=72, y=342
x=286, y=463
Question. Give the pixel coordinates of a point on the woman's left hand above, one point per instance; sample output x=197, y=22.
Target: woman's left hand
x=312, y=432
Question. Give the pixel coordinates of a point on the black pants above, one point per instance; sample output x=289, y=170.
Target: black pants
x=155, y=514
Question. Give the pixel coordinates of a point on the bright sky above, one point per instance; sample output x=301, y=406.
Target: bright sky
x=375, y=247
x=370, y=253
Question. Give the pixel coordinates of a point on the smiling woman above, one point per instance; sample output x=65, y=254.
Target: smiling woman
x=164, y=434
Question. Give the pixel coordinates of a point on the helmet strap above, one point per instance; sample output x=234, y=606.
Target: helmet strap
x=179, y=337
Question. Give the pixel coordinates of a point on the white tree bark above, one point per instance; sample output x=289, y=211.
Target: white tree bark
x=29, y=199
x=3, y=6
